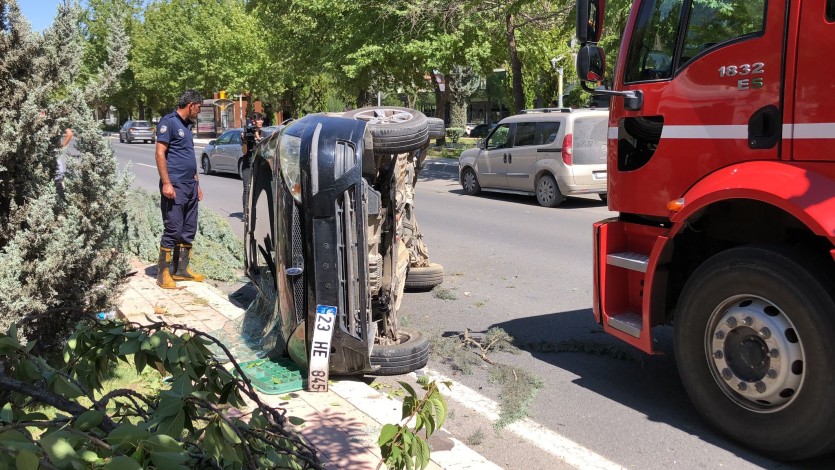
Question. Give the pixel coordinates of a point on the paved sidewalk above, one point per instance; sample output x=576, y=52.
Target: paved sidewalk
x=343, y=423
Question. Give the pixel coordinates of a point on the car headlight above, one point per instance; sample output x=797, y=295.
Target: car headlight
x=289, y=158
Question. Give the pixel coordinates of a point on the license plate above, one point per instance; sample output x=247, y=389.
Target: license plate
x=598, y=175
x=320, y=350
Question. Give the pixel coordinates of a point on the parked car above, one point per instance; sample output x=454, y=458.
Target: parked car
x=548, y=153
x=469, y=127
x=332, y=239
x=481, y=130
x=224, y=154
x=137, y=130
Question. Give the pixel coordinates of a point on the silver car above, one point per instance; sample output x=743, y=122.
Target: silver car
x=224, y=154
x=137, y=130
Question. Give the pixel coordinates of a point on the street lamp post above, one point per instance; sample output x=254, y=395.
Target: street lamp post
x=559, y=73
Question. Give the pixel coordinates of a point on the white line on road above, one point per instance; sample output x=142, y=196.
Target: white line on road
x=563, y=448
x=143, y=164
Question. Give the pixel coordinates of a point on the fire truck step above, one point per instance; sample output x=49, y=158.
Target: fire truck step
x=629, y=260
x=629, y=323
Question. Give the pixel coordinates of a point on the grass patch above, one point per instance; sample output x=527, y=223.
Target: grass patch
x=480, y=303
x=519, y=388
x=475, y=439
x=444, y=294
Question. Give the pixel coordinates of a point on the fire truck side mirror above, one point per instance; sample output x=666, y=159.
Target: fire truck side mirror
x=589, y=20
x=591, y=63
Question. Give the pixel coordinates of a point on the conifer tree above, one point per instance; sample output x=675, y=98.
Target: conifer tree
x=59, y=254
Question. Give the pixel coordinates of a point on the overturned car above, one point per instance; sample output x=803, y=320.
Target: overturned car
x=331, y=236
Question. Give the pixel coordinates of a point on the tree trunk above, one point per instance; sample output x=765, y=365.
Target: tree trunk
x=515, y=66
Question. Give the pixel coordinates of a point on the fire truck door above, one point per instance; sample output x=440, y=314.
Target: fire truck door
x=710, y=74
x=811, y=124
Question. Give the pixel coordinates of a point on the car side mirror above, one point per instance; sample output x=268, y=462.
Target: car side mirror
x=212, y=142
x=480, y=143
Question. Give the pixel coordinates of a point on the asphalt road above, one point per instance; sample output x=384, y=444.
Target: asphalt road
x=512, y=264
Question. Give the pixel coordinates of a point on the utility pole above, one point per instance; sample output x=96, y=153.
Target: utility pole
x=559, y=75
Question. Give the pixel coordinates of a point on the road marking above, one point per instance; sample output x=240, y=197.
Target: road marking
x=561, y=447
x=143, y=164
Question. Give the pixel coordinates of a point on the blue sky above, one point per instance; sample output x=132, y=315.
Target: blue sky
x=40, y=13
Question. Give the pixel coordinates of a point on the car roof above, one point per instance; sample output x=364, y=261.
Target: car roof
x=553, y=114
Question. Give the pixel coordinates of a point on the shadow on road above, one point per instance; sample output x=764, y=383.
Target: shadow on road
x=608, y=367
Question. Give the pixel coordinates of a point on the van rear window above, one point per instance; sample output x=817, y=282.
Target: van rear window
x=589, y=140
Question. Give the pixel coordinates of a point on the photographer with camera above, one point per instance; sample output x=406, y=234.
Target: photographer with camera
x=250, y=137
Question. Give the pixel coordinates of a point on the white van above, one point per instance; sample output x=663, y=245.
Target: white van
x=551, y=153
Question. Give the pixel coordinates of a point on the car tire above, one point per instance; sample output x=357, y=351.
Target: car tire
x=604, y=197
x=241, y=168
x=437, y=128
x=409, y=355
x=121, y=139
x=394, y=130
x=469, y=181
x=153, y=141
x=784, y=408
x=547, y=192
x=425, y=277
x=206, y=164
x=128, y=139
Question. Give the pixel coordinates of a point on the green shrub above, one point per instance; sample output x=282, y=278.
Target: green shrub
x=455, y=133
x=218, y=253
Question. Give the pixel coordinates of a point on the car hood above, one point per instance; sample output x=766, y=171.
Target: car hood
x=469, y=155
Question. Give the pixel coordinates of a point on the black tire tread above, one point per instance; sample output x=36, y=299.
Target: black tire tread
x=437, y=128
x=401, y=358
x=397, y=138
x=422, y=277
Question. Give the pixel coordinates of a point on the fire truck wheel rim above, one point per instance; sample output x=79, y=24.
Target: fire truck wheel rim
x=755, y=353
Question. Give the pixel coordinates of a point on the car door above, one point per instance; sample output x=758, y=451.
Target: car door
x=123, y=132
x=521, y=157
x=492, y=159
x=216, y=155
x=231, y=150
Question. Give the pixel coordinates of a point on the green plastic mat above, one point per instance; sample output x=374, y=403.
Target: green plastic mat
x=274, y=376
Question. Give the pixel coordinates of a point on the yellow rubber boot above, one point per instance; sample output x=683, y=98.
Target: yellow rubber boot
x=164, y=278
x=182, y=271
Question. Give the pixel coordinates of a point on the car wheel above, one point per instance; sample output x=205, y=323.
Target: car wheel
x=121, y=139
x=547, y=192
x=206, y=164
x=425, y=277
x=128, y=139
x=753, y=345
x=394, y=130
x=437, y=128
x=241, y=168
x=603, y=197
x=469, y=181
x=153, y=141
x=410, y=354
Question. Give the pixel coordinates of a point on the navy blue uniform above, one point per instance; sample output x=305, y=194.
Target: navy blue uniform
x=179, y=215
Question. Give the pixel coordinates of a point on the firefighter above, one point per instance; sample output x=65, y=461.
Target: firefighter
x=180, y=191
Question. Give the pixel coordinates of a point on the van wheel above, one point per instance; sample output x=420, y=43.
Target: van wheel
x=425, y=277
x=753, y=345
x=394, y=130
x=604, y=197
x=547, y=192
x=410, y=354
x=469, y=181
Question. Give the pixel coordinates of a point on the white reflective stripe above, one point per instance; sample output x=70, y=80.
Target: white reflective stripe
x=705, y=132
x=825, y=130
x=787, y=131
x=613, y=133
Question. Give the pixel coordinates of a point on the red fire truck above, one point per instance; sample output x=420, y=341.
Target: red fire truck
x=721, y=166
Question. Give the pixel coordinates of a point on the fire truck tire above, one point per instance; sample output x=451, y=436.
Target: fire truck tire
x=425, y=277
x=547, y=192
x=469, y=181
x=437, y=128
x=754, y=349
x=394, y=130
x=409, y=355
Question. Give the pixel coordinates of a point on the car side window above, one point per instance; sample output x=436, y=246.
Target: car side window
x=546, y=132
x=525, y=134
x=126, y=125
x=499, y=138
x=235, y=138
x=224, y=138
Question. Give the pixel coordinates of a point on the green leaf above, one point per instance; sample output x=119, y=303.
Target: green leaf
x=408, y=388
x=127, y=434
x=295, y=420
x=387, y=434
x=122, y=462
x=89, y=420
x=8, y=345
x=58, y=449
x=173, y=425
x=229, y=433
x=88, y=456
x=422, y=454
x=170, y=460
x=27, y=460
x=164, y=443
x=65, y=388
x=6, y=414
x=129, y=347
